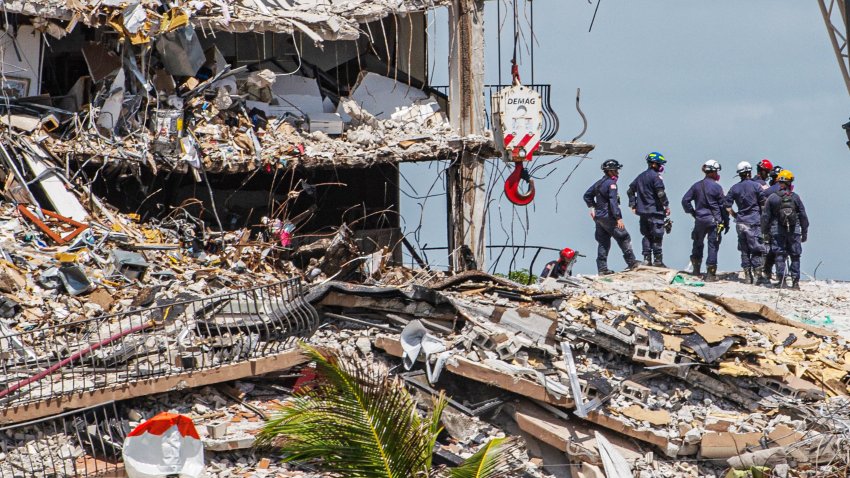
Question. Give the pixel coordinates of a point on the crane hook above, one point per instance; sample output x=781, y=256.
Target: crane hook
x=512, y=186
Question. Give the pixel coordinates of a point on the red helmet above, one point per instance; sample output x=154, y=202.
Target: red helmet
x=765, y=165
x=568, y=254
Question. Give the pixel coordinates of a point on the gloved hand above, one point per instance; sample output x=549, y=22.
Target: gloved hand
x=805, y=236
x=726, y=228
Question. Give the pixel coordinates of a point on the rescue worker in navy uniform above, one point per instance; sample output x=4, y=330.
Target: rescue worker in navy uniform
x=704, y=201
x=648, y=200
x=562, y=267
x=763, y=170
x=745, y=196
x=786, y=224
x=604, y=202
x=769, y=259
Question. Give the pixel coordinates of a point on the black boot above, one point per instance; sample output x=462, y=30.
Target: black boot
x=697, y=266
x=647, y=259
x=795, y=284
x=659, y=262
x=711, y=275
x=748, y=276
x=763, y=278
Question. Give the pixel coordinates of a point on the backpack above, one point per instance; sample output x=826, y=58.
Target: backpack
x=787, y=216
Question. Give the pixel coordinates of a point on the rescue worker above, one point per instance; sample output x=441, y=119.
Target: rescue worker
x=561, y=267
x=648, y=200
x=704, y=201
x=769, y=260
x=763, y=170
x=604, y=202
x=786, y=225
x=745, y=196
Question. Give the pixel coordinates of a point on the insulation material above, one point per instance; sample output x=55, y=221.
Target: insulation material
x=382, y=96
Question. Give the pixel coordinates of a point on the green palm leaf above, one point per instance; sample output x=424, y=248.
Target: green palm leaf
x=355, y=422
x=491, y=461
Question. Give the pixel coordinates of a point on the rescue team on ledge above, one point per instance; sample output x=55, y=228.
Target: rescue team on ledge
x=770, y=220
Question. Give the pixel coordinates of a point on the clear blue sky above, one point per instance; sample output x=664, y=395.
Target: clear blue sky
x=695, y=80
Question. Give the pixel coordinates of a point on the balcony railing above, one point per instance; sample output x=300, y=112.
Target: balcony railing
x=550, y=118
x=180, y=337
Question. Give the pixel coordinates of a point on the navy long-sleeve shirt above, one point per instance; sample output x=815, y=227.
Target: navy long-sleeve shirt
x=766, y=193
x=746, y=197
x=604, y=197
x=646, y=194
x=704, y=201
x=771, y=213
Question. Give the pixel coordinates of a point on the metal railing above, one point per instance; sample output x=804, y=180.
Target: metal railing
x=517, y=252
x=551, y=124
x=185, y=335
x=83, y=443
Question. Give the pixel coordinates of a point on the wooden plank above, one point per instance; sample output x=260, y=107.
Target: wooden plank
x=484, y=374
x=124, y=391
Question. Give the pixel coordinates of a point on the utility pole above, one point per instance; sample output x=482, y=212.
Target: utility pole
x=465, y=179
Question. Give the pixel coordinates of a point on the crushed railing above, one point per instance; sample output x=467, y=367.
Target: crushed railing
x=84, y=443
x=184, y=335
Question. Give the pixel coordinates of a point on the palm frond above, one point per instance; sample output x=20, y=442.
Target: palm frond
x=355, y=421
x=492, y=460
x=434, y=429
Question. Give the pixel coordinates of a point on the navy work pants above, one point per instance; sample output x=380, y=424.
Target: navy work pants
x=652, y=230
x=705, y=230
x=606, y=228
x=787, y=244
x=750, y=245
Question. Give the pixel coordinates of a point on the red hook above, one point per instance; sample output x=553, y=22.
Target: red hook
x=512, y=186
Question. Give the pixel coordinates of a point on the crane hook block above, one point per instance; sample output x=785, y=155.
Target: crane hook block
x=512, y=191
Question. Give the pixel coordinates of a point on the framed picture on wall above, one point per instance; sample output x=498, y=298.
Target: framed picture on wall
x=15, y=87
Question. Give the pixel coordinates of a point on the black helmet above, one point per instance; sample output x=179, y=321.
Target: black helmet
x=611, y=165
x=775, y=172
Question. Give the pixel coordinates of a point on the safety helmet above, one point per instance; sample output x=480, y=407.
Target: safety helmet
x=568, y=254
x=785, y=176
x=611, y=164
x=775, y=171
x=744, y=167
x=765, y=165
x=711, y=166
x=655, y=157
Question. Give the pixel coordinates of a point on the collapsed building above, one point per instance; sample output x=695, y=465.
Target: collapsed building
x=193, y=188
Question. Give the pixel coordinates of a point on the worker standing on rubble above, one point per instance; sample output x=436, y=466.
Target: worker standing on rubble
x=704, y=201
x=648, y=200
x=769, y=258
x=745, y=195
x=786, y=225
x=604, y=202
x=561, y=267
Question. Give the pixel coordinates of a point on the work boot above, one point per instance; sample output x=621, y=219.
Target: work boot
x=711, y=275
x=659, y=262
x=795, y=284
x=763, y=278
x=632, y=265
x=697, y=266
x=606, y=272
x=748, y=276
x=647, y=259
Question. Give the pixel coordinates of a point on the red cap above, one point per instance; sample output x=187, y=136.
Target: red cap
x=568, y=254
x=765, y=164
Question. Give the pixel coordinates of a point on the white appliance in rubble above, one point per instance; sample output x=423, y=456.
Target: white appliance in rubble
x=518, y=122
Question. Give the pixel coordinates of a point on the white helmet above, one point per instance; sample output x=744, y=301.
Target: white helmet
x=710, y=166
x=744, y=167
